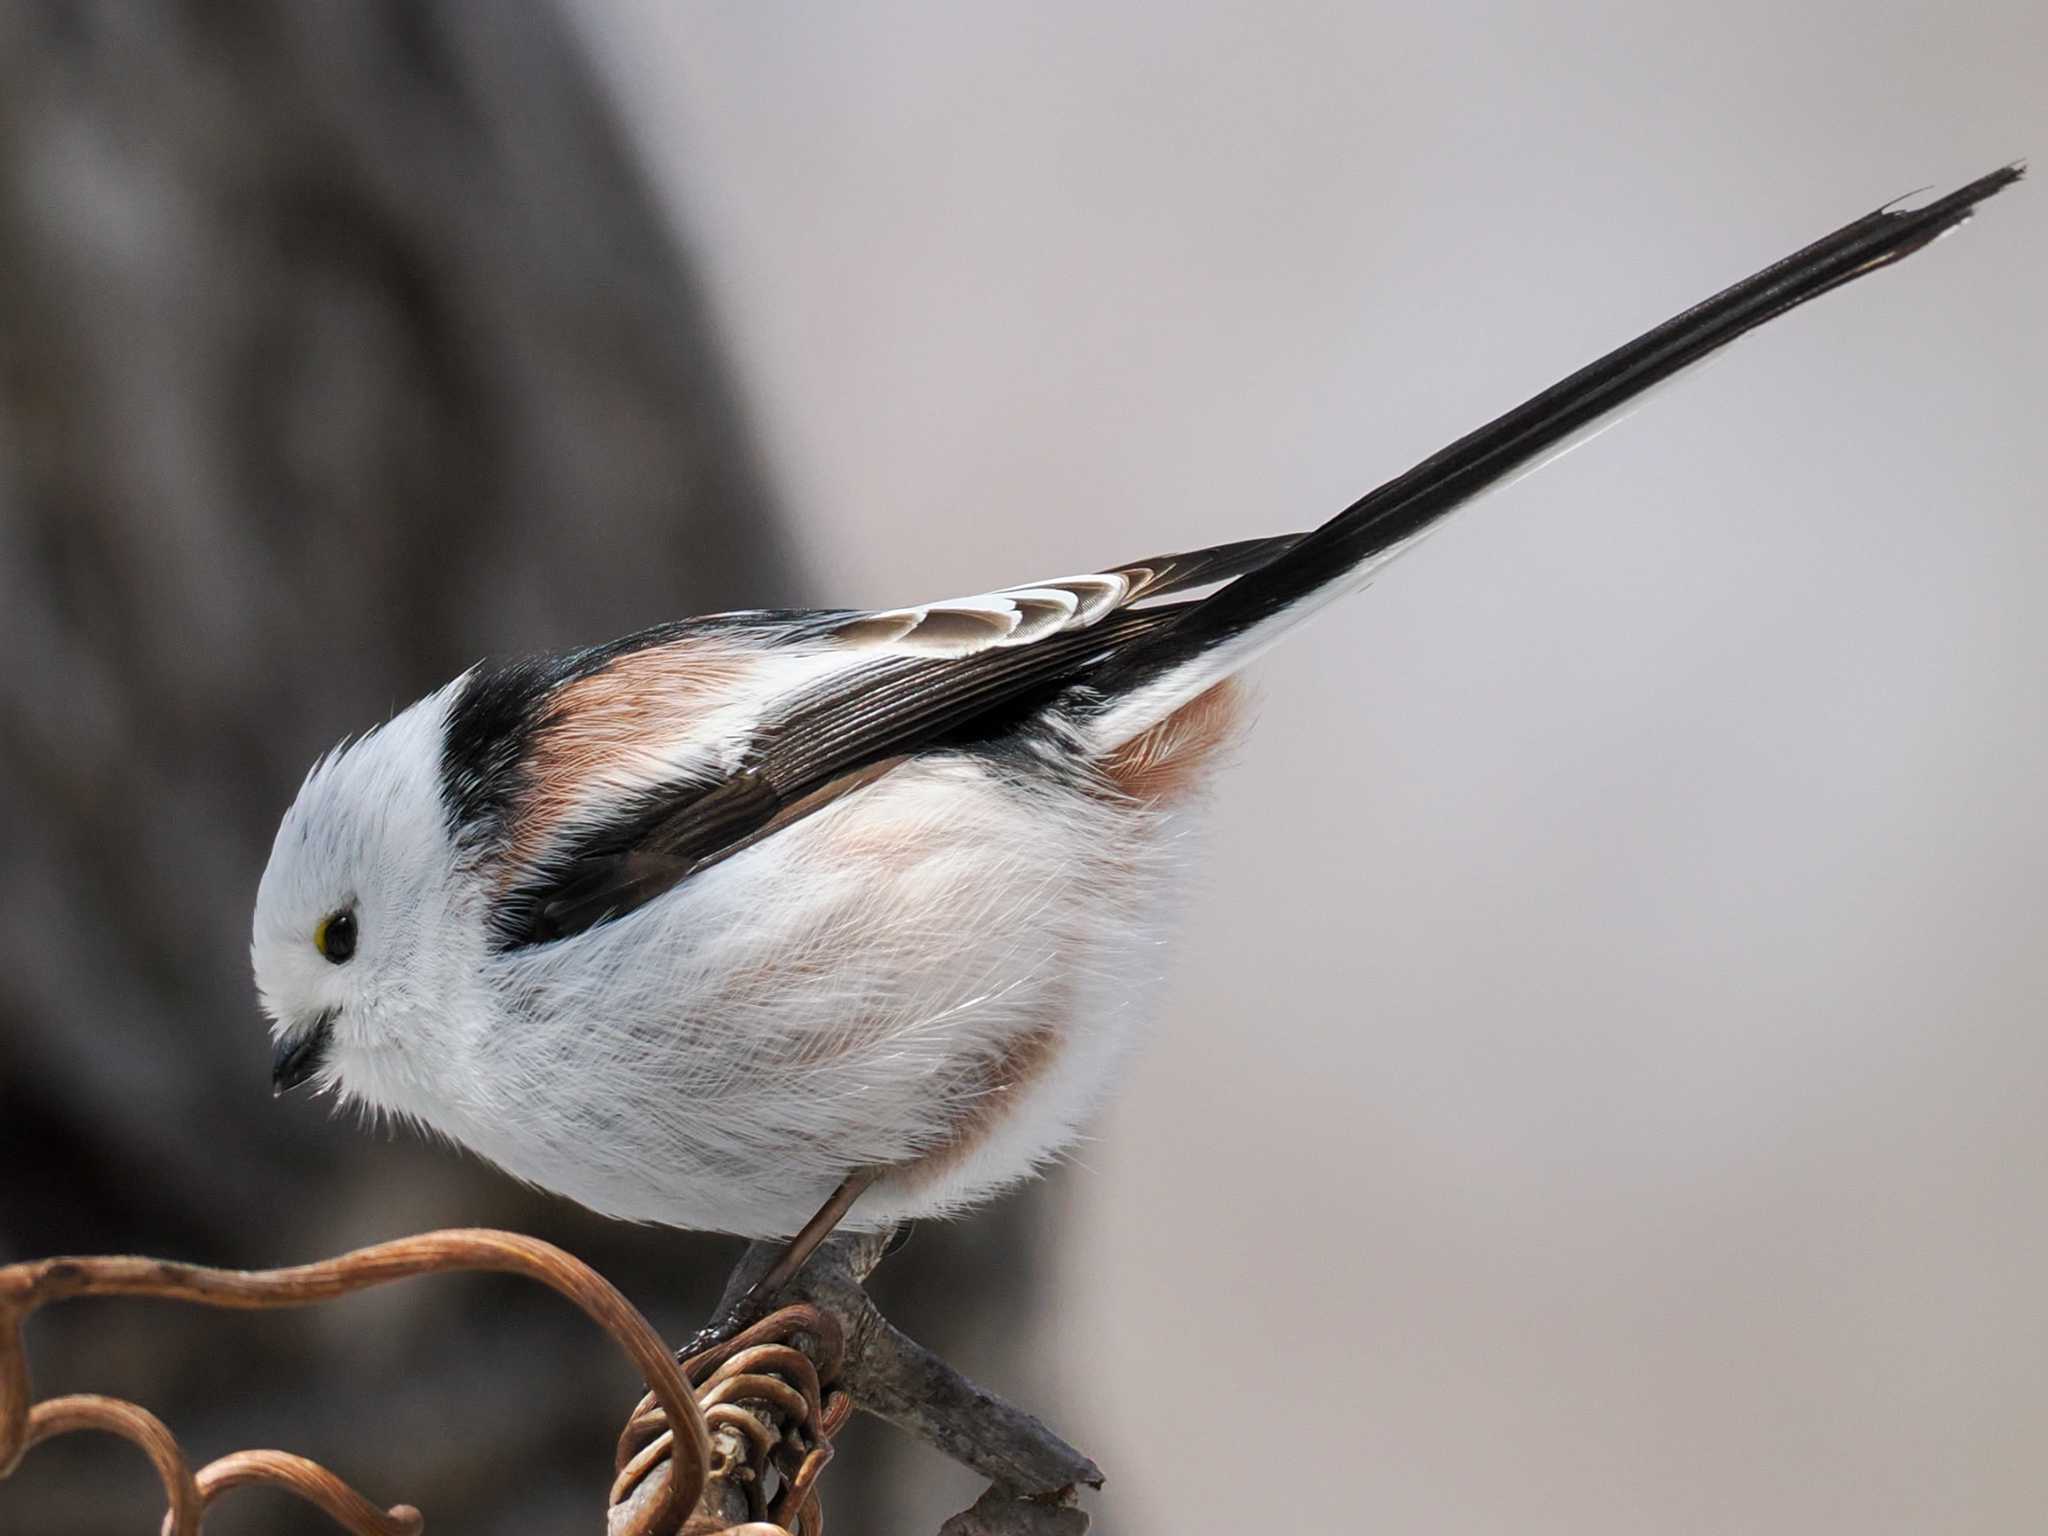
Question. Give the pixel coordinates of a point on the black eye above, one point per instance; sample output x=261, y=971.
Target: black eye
x=336, y=937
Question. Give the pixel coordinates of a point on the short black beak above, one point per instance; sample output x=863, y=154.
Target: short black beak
x=297, y=1057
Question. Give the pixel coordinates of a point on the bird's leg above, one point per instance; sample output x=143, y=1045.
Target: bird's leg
x=815, y=1231
x=753, y=1303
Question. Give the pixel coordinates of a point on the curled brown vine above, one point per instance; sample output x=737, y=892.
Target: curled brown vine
x=734, y=1440
x=771, y=1405
x=24, y=1423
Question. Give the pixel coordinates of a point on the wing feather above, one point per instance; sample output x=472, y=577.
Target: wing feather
x=958, y=627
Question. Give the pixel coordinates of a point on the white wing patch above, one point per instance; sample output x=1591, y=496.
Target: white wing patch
x=967, y=626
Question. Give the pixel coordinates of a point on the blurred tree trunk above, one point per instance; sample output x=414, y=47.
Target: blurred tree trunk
x=339, y=344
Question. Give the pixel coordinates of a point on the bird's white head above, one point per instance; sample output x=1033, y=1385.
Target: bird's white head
x=359, y=926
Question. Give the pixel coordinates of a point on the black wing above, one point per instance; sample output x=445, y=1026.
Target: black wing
x=915, y=679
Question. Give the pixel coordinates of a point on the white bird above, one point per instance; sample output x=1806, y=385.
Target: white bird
x=771, y=920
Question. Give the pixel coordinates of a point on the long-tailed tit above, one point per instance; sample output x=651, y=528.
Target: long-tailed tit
x=776, y=918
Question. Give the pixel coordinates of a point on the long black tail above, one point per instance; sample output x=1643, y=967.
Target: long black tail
x=1146, y=681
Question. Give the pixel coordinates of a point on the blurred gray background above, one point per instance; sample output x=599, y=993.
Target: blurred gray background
x=1602, y=1085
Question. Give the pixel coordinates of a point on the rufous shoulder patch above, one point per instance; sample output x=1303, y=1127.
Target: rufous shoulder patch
x=621, y=722
x=1169, y=761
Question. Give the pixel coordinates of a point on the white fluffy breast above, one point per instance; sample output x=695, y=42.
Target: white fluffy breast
x=930, y=975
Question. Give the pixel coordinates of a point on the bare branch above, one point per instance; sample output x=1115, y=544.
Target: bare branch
x=997, y=1513
x=892, y=1376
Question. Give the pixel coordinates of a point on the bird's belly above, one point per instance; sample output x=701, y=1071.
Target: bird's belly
x=932, y=977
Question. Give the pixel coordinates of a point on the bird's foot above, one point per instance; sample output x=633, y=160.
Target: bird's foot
x=738, y=1318
x=769, y=1283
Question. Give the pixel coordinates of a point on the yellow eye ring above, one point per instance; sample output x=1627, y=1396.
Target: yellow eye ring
x=335, y=936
